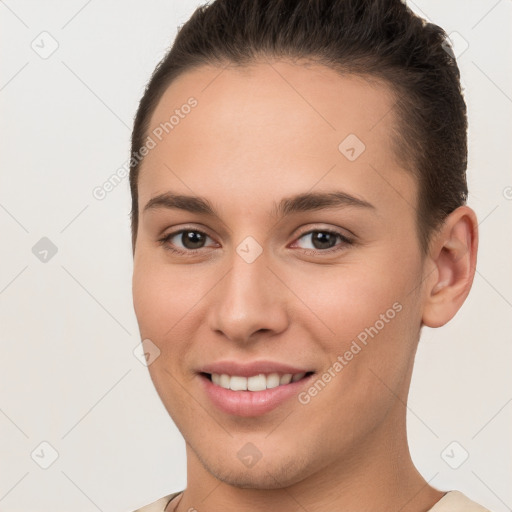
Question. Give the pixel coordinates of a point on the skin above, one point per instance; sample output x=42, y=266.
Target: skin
x=257, y=135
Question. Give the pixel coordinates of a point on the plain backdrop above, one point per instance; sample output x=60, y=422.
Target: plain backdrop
x=73, y=396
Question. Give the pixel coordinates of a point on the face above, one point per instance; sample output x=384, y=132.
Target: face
x=330, y=287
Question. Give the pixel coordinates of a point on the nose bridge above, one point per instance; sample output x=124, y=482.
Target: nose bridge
x=246, y=300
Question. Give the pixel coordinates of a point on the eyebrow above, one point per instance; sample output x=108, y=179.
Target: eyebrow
x=308, y=201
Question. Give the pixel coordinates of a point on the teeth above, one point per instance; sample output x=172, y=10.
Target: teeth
x=286, y=378
x=273, y=380
x=297, y=377
x=224, y=381
x=238, y=383
x=258, y=382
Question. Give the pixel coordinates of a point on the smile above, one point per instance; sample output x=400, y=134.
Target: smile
x=258, y=382
x=255, y=395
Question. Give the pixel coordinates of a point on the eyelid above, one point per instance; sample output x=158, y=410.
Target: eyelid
x=345, y=240
x=164, y=239
x=343, y=232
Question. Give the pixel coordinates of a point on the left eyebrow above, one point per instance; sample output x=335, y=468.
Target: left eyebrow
x=308, y=201
x=311, y=201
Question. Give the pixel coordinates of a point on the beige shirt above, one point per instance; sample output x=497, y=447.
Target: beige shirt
x=452, y=501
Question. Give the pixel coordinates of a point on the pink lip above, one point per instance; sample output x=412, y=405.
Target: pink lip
x=250, y=369
x=251, y=403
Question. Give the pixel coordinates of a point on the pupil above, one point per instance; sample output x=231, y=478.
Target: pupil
x=323, y=238
x=189, y=238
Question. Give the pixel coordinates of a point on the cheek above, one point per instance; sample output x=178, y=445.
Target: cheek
x=349, y=298
x=163, y=296
x=373, y=315
x=148, y=293
x=163, y=305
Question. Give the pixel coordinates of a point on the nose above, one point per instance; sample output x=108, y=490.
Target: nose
x=249, y=302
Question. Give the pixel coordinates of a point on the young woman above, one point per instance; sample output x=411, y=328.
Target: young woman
x=298, y=186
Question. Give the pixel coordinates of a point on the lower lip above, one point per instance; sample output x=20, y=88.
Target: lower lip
x=251, y=403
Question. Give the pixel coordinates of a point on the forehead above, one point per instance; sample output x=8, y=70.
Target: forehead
x=276, y=123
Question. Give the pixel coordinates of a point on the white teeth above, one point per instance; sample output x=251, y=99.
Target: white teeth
x=297, y=377
x=238, y=383
x=286, y=378
x=224, y=381
x=258, y=382
x=272, y=380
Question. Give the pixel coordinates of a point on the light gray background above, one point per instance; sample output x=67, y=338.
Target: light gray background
x=68, y=373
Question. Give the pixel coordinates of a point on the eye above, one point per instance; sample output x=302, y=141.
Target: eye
x=324, y=240
x=192, y=241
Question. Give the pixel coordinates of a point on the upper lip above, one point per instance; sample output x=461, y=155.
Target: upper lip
x=250, y=368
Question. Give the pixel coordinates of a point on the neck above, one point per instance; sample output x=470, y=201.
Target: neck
x=375, y=474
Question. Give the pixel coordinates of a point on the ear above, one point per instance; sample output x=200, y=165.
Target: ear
x=450, y=267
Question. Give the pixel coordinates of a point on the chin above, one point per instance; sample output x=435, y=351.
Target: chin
x=266, y=474
x=247, y=479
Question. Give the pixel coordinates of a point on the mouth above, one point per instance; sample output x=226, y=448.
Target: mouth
x=255, y=395
x=254, y=383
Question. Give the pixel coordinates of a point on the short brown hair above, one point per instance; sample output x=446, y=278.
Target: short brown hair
x=383, y=39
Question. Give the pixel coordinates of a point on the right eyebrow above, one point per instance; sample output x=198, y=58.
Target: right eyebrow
x=191, y=204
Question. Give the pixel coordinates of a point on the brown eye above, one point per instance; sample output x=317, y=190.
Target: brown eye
x=192, y=239
x=184, y=241
x=323, y=240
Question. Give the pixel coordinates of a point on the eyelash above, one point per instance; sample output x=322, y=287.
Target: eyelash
x=164, y=241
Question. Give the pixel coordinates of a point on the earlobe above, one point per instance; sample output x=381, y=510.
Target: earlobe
x=453, y=254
